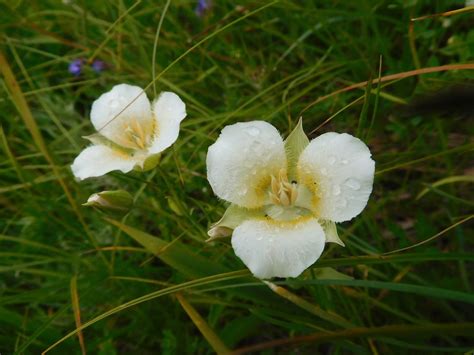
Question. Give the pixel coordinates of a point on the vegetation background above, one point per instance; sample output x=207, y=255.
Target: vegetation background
x=148, y=283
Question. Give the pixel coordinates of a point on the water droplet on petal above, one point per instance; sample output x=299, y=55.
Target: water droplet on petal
x=344, y=161
x=114, y=103
x=252, y=131
x=354, y=184
x=336, y=190
x=331, y=159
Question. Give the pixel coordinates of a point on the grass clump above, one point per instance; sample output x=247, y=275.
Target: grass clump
x=149, y=283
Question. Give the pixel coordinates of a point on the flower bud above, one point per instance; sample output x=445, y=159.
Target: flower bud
x=118, y=201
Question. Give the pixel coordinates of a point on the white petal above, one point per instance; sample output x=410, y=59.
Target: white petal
x=137, y=116
x=168, y=110
x=271, y=249
x=98, y=160
x=338, y=168
x=240, y=163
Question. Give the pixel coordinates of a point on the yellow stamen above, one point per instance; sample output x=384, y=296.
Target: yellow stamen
x=282, y=192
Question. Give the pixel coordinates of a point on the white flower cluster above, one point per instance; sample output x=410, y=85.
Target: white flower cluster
x=285, y=196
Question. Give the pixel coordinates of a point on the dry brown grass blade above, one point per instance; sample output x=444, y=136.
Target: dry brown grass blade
x=77, y=312
x=446, y=13
x=216, y=343
x=391, y=77
x=397, y=330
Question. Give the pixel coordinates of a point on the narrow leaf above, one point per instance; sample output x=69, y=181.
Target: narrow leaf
x=77, y=312
x=174, y=253
x=212, y=338
x=302, y=303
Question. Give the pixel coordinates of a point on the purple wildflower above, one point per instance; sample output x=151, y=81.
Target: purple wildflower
x=98, y=65
x=75, y=67
x=202, y=7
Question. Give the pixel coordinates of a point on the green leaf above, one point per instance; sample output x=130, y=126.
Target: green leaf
x=431, y=292
x=174, y=253
x=295, y=143
x=328, y=273
x=448, y=180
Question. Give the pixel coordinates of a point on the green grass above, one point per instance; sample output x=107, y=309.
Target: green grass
x=149, y=283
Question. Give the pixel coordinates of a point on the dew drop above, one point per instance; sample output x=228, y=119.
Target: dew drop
x=259, y=237
x=114, y=103
x=344, y=161
x=354, y=184
x=252, y=131
x=331, y=159
x=336, y=190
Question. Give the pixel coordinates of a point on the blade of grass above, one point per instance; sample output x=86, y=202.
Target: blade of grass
x=211, y=337
x=77, y=312
x=189, y=50
x=302, y=303
x=402, y=75
x=155, y=44
x=365, y=109
x=24, y=110
x=398, y=330
x=448, y=180
x=433, y=237
x=148, y=297
x=376, y=103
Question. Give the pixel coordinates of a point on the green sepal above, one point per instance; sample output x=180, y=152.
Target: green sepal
x=295, y=143
x=233, y=216
x=150, y=162
x=330, y=231
x=97, y=139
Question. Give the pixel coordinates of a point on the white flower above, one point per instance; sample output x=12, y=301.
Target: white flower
x=132, y=138
x=286, y=196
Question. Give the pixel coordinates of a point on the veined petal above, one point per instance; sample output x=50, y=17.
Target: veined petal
x=339, y=170
x=240, y=163
x=272, y=249
x=168, y=111
x=132, y=128
x=98, y=160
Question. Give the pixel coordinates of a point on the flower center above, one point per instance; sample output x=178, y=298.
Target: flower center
x=136, y=134
x=283, y=192
x=287, y=199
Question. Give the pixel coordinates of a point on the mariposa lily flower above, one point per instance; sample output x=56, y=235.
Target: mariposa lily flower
x=131, y=134
x=286, y=196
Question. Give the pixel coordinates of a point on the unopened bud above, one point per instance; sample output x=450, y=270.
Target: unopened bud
x=118, y=201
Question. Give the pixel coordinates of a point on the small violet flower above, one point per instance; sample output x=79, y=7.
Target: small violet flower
x=98, y=65
x=132, y=132
x=286, y=196
x=202, y=7
x=75, y=67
